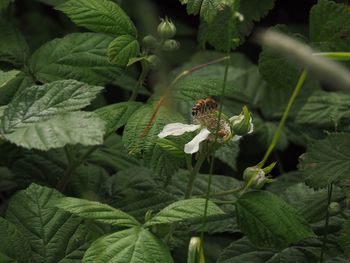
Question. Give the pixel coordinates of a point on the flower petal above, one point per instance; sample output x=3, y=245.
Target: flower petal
x=177, y=129
x=193, y=145
x=251, y=129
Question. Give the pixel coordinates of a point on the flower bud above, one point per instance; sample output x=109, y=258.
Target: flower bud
x=149, y=42
x=242, y=124
x=334, y=208
x=152, y=61
x=170, y=45
x=166, y=29
x=256, y=178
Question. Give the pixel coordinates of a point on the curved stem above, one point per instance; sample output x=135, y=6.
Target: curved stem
x=325, y=233
x=139, y=84
x=284, y=118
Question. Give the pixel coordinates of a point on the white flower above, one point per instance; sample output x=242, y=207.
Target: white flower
x=177, y=129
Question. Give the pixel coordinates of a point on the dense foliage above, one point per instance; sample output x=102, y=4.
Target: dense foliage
x=101, y=160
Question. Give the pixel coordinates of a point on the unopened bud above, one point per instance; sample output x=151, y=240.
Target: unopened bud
x=149, y=42
x=170, y=45
x=242, y=124
x=152, y=61
x=166, y=29
x=334, y=208
x=256, y=178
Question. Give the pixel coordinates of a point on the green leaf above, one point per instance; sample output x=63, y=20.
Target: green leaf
x=53, y=2
x=80, y=56
x=228, y=154
x=102, y=16
x=184, y=210
x=47, y=230
x=122, y=49
x=13, y=47
x=326, y=161
x=269, y=221
x=15, y=247
x=330, y=26
x=134, y=245
x=324, y=109
x=69, y=128
x=39, y=103
x=5, y=77
x=116, y=115
x=344, y=238
x=7, y=180
x=96, y=211
x=171, y=147
x=4, y=4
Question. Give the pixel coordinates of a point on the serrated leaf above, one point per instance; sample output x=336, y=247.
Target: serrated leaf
x=5, y=77
x=184, y=210
x=134, y=245
x=96, y=211
x=324, y=109
x=326, y=161
x=330, y=26
x=69, y=128
x=80, y=56
x=13, y=243
x=13, y=47
x=47, y=230
x=269, y=221
x=171, y=147
x=116, y=115
x=122, y=49
x=39, y=103
x=228, y=154
x=102, y=16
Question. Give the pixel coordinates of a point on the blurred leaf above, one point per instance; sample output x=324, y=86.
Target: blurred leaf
x=5, y=77
x=95, y=211
x=15, y=242
x=7, y=180
x=80, y=56
x=47, y=229
x=268, y=221
x=228, y=154
x=344, y=238
x=134, y=245
x=4, y=4
x=326, y=161
x=183, y=210
x=101, y=16
x=122, y=49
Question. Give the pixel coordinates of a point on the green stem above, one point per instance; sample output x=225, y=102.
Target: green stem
x=284, y=118
x=139, y=84
x=334, y=55
x=325, y=233
x=193, y=175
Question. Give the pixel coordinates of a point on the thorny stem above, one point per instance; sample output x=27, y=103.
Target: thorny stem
x=325, y=233
x=169, y=88
x=284, y=118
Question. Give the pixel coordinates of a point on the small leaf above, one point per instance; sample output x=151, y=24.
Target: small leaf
x=134, y=245
x=269, y=221
x=96, y=211
x=122, y=49
x=171, y=147
x=326, y=161
x=184, y=210
x=13, y=243
x=80, y=56
x=101, y=16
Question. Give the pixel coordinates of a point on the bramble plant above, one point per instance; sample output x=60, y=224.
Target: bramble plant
x=125, y=139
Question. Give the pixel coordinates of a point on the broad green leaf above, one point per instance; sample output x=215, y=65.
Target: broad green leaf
x=96, y=211
x=13, y=47
x=268, y=221
x=5, y=77
x=134, y=245
x=326, y=161
x=14, y=246
x=69, y=128
x=122, y=49
x=116, y=115
x=47, y=229
x=330, y=26
x=184, y=210
x=80, y=56
x=101, y=16
x=324, y=109
x=40, y=103
x=135, y=138
x=228, y=154
x=344, y=238
x=171, y=147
